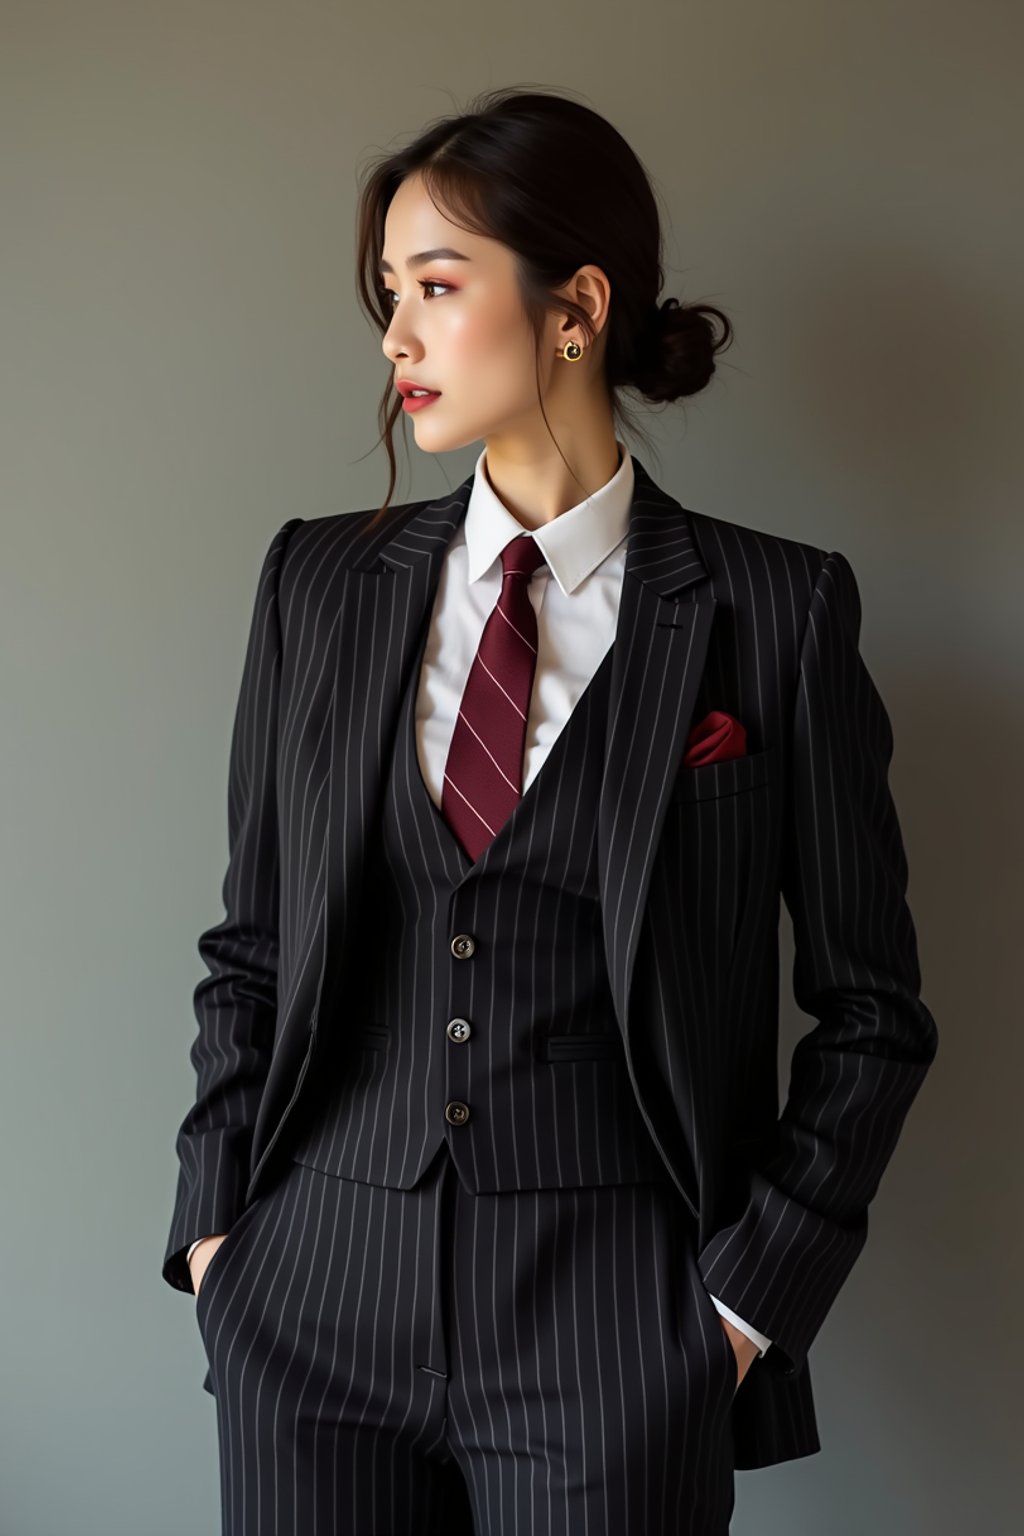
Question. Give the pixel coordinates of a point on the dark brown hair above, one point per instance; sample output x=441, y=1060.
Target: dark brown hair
x=560, y=187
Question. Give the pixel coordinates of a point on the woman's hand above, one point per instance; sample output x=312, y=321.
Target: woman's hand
x=201, y=1256
x=745, y=1349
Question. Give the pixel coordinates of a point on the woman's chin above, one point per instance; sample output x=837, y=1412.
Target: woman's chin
x=439, y=437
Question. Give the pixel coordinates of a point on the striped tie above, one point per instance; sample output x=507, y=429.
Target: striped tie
x=484, y=770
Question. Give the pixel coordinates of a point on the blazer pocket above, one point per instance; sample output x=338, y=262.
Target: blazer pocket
x=729, y=776
x=219, y=1258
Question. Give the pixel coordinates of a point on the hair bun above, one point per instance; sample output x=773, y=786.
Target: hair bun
x=677, y=349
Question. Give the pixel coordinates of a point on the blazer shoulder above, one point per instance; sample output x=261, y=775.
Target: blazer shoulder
x=340, y=540
x=736, y=552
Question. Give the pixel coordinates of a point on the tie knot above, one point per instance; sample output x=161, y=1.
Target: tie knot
x=521, y=556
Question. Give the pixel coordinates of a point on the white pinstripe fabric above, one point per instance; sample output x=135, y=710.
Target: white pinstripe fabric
x=693, y=863
x=518, y=1369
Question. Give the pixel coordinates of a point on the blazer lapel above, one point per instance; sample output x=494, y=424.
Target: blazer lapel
x=387, y=596
x=661, y=640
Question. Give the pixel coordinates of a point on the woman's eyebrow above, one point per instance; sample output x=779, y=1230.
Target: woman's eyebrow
x=443, y=253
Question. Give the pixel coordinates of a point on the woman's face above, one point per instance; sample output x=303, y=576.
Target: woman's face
x=458, y=326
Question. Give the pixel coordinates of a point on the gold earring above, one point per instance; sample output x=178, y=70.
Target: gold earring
x=572, y=352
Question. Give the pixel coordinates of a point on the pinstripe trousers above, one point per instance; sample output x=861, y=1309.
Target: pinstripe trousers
x=438, y=1361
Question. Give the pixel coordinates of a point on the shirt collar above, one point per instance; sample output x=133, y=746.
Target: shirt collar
x=574, y=543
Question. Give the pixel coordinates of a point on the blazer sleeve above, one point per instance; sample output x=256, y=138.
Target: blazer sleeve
x=854, y=1075
x=236, y=1003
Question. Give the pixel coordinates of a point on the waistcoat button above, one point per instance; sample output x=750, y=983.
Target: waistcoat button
x=459, y=1030
x=456, y=1113
x=462, y=946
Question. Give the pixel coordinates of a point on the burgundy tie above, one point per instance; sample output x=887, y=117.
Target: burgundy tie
x=484, y=771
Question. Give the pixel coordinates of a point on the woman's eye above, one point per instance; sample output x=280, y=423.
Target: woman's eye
x=387, y=294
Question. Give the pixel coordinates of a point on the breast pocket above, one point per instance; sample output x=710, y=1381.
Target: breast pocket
x=729, y=776
x=720, y=839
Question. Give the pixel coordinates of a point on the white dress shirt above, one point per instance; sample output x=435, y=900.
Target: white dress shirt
x=576, y=598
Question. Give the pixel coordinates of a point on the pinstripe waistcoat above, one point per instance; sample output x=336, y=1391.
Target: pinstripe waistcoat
x=678, y=878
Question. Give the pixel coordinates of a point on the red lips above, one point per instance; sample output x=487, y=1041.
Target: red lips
x=406, y=387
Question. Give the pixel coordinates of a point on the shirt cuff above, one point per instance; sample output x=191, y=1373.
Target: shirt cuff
x=751, y=1333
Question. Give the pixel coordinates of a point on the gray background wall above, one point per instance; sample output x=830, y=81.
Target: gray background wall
x=184, y=366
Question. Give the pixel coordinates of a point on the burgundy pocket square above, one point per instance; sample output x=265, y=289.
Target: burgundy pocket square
x=717, y=736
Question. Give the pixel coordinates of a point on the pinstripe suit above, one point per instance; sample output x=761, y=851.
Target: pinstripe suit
x=688, y=867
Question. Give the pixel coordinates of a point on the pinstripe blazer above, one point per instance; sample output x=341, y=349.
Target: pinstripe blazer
x=693, y=863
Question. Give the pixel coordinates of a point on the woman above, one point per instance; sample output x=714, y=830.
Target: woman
x=493, y=1220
